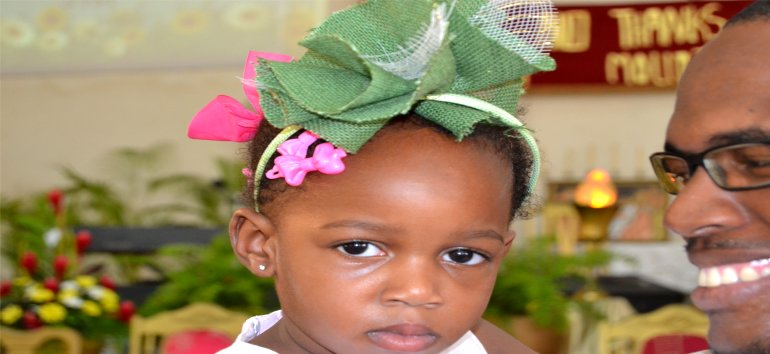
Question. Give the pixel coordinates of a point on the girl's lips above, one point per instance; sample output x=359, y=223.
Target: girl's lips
x=403, y=338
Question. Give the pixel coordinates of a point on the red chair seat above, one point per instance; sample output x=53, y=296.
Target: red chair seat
x=675, y=344
x=195, y=342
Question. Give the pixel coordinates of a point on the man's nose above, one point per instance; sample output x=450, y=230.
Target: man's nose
x=702, y=208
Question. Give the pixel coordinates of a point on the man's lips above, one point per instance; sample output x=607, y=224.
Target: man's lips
x=404, y=337
x=730, y=286
x=734, y=273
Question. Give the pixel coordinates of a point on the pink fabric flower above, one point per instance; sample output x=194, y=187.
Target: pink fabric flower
x=224, y=118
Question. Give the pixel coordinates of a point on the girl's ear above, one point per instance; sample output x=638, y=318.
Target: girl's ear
x=508, y=240
x=252, y=237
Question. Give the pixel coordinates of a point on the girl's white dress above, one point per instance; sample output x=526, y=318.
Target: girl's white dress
x=467, y=344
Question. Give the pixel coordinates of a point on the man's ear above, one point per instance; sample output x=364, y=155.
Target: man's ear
x=252, y=237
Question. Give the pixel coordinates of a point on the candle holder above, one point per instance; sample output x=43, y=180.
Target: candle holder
x=594, y=223
x=595, y=201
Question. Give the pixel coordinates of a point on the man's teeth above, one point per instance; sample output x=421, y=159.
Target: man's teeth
x=734, y=273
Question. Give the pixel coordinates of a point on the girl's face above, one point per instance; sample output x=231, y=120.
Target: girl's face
x=399, y=253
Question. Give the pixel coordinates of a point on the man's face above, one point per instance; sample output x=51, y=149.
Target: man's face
x=724, y=98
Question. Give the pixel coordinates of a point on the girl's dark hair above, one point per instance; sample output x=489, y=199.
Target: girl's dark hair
x=756, y=11
x=504, y=141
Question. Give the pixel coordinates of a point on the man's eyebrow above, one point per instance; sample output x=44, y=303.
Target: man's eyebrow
x=670, y=148
x=751, y=135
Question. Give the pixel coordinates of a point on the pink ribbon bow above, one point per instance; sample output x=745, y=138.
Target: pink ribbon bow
x=224, y=118
x=293, y=166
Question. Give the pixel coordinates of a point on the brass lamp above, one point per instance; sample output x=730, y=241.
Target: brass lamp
x=595, y=200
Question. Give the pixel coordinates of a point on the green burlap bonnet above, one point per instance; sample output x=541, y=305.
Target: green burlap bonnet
x=380, y=59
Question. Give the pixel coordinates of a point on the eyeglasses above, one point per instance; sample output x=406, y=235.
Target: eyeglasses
x=732, y=167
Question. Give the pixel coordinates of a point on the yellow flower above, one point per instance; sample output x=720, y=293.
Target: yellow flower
x=67, y=293
x=70, y=298
x=52, y=19
x=85, y=281
x=40, y=294
x=11, y=314
x=52, y=313
x=91, y=308
x=110, y=301
x=22, y=281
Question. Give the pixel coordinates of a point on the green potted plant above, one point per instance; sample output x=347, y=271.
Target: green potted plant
x=211, y=274
x=139, y=194
x=530, y=293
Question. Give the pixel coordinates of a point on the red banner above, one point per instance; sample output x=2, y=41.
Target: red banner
x=637, y=46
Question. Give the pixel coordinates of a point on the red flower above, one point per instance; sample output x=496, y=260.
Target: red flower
x=51, y=284
x=107, y=282
x=29, y=262
x=126, y=310
x=60, y=264
x=82, y=240
x=5, y=288
x=55, y=198
x=30, y=320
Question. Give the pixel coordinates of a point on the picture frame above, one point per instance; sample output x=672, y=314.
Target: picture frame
x=641, y=205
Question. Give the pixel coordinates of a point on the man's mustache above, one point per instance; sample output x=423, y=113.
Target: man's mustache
x=716, y=243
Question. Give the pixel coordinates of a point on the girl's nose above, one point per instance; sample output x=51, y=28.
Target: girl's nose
x=413, y=282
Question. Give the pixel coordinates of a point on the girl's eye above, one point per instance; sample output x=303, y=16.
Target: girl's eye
x=360, y=249
x=464, y=256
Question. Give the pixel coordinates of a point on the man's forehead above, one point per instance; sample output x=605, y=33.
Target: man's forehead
x=724, y=95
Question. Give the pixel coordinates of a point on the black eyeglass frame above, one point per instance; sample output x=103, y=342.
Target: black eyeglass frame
x=694, y=161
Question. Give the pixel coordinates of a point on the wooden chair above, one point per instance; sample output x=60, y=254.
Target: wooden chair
x=15, y=341
x=672, y=329
x=147, y=335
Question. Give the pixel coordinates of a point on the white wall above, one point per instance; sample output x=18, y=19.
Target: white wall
x=74, y=120
x=612, y=130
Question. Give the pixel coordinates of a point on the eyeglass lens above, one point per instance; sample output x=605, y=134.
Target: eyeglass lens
x=734, y=167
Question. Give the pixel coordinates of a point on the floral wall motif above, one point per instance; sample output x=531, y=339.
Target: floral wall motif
x=76, y=35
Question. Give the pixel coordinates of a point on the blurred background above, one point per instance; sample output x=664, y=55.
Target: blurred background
x=96, y=96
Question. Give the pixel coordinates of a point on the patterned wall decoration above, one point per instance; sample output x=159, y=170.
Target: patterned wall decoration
x=44, y=36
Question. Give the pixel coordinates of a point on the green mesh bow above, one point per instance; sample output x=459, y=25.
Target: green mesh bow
x=380, y=59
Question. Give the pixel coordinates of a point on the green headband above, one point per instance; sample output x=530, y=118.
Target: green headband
x=485, y=106
x=455, y=63
x=467, y=101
